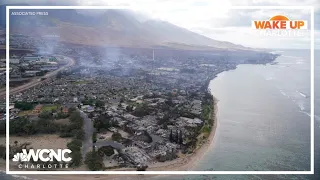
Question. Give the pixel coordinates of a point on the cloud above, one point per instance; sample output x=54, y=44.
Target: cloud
x=255, y=38
x=211, y=18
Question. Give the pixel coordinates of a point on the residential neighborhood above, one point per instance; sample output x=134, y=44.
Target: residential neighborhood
x=134, y=107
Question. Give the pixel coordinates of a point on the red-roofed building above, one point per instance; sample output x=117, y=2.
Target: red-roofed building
x=65, y=110
x=37, y=109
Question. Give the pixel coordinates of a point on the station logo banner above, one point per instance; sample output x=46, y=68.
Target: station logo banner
x=281, y=25
x=42, y=158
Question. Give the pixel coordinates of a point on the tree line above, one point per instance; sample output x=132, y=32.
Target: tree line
x=176, y=137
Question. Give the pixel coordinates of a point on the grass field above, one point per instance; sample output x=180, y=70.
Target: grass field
x=44, y=108
x=80, y=82
x=49, y=107
x=39, y=141
x=24, y=113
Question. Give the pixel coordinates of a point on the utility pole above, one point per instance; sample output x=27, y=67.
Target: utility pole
x=152, y=66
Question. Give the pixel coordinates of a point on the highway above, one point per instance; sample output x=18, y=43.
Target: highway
x=37, y=81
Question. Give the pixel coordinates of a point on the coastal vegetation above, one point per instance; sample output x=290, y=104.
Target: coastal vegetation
x=2, y=127
x=24, y=105
x=75, y=146
x=94, y=158
x=104, y=122
x=3, y=152
x=116, y=136
x=188, y=139
x=141, y=110
x=94, y=161
x=206, y=115
x=94, y=137
x=106, y=150
x=46, y=124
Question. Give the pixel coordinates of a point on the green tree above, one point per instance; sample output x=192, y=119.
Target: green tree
x=46, y=115
x=23, y=105
x=106, y=150
x=75, y=145
x=76, y=158
x=99, y=103
x=171, y=136
x=180, y=137
x=2, y=127
x=176, y=138
x=19, y=125
x=102, y=122
x=116, y=136
x=79, y=134
x=94, y=137
x=93, y=161
x=141, y=110
x=29, y=129
x=129, y=108
x=76, y=120
x=71, y=110
x=2, y=151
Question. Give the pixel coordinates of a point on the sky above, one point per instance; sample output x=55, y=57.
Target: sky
x=215, y=20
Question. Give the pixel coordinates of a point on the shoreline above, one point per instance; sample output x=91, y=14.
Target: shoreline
x=187, y=163
x=181, y=164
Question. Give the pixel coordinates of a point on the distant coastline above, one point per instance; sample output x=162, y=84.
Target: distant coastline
x=184, y=163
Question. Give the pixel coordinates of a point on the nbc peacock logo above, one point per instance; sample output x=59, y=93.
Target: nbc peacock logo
x=19, y=157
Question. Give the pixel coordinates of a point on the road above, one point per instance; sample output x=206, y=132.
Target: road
x=37, y=81
x=113, y=144
x=88, y=131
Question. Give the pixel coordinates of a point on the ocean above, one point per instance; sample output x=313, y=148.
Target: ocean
x=263, y=120
x=263, y=117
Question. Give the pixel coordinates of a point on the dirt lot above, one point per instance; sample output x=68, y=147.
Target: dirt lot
x=39, y=141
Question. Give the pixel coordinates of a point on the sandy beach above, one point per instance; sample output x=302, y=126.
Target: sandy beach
x=185, y=163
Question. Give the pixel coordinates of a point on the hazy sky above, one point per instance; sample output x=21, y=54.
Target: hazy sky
x=214, y=20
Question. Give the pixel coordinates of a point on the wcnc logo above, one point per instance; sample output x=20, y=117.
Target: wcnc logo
x=44, y=156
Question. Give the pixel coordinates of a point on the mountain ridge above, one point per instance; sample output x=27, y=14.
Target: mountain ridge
x=113, y=27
